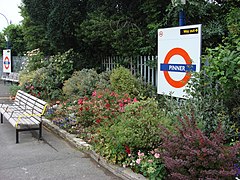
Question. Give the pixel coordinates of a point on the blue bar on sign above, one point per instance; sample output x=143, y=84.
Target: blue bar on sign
x=177, y=67
x=6, y=62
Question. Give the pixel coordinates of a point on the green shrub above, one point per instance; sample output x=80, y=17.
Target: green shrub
x=13, y=89
x=104, y=81
x=82, y=83
x=25, y=77
x=122, y=81
x=202, y=103
x=47, y=82
x=38, y=83
x=150, y=165
x=223, y=71
x=35, y=60
x=136, y=128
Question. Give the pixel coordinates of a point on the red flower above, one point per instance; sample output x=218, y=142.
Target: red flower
x=100, y=96
x=81, y=108
x=87, y=108
x=121, y=104
x=107, y=105
x=127, y=150
x=98, y=121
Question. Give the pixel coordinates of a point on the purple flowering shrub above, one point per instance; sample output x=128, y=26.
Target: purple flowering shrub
x=190, y=154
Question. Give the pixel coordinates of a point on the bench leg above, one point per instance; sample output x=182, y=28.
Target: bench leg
x=40, y=131
x=1, y=118
x=17, y=136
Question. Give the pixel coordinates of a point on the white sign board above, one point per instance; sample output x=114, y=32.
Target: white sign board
x=7, y=62
x=179, y=51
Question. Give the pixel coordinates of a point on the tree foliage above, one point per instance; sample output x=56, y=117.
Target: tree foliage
x=96, y=28
x=15, y=36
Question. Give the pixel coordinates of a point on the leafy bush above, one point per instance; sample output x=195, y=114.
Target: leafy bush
x=150, y=165
x=82, y=83
x=101, y=108
x=223, y=71
x=202, y=103
x=36, y=83
x=136, y=128
x=47, y=82
x=35, y=60
x=62, y=65
x=122, y=81
x=104, y=81
x=13, y=89
x=190, y=154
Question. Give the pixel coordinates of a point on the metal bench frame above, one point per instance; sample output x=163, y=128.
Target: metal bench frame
x=25, y=113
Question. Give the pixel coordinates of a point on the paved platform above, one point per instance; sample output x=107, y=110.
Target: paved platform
x=50, y=159
x=4, y=90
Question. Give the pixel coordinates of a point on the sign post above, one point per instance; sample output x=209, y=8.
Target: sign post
x=179, y=51
x=7, y=61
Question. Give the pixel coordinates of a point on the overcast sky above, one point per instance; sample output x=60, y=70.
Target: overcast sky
x=9, y=8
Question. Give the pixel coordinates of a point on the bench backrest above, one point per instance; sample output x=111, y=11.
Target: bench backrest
x=30, y=103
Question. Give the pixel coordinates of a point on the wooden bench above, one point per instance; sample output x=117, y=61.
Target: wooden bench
x=10, y=77
x=25, y=113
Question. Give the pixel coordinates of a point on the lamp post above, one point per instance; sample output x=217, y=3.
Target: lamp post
x=6, y=37
x=182, y=20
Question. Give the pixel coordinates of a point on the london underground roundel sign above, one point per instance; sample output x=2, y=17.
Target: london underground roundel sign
x=7, y=61
x=179, y=51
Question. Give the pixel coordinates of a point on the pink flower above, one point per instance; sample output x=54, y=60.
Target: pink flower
x=121, y=109
x=94, y=93
x=32, y=87
x=138, y=161
x=157, y=155
x=150, y=161
x=112, y=94
x=135, y=100
x=140, y=154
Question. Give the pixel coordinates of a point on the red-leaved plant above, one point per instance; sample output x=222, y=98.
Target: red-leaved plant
x=190, y=154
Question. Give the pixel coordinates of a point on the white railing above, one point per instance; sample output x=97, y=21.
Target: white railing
x=143, y=66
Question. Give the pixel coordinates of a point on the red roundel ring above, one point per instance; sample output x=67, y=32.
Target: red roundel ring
x=7, y=64
x=186, y=57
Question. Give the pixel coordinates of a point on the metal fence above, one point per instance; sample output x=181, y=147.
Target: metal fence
x=17, y=64
x=143, y=66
